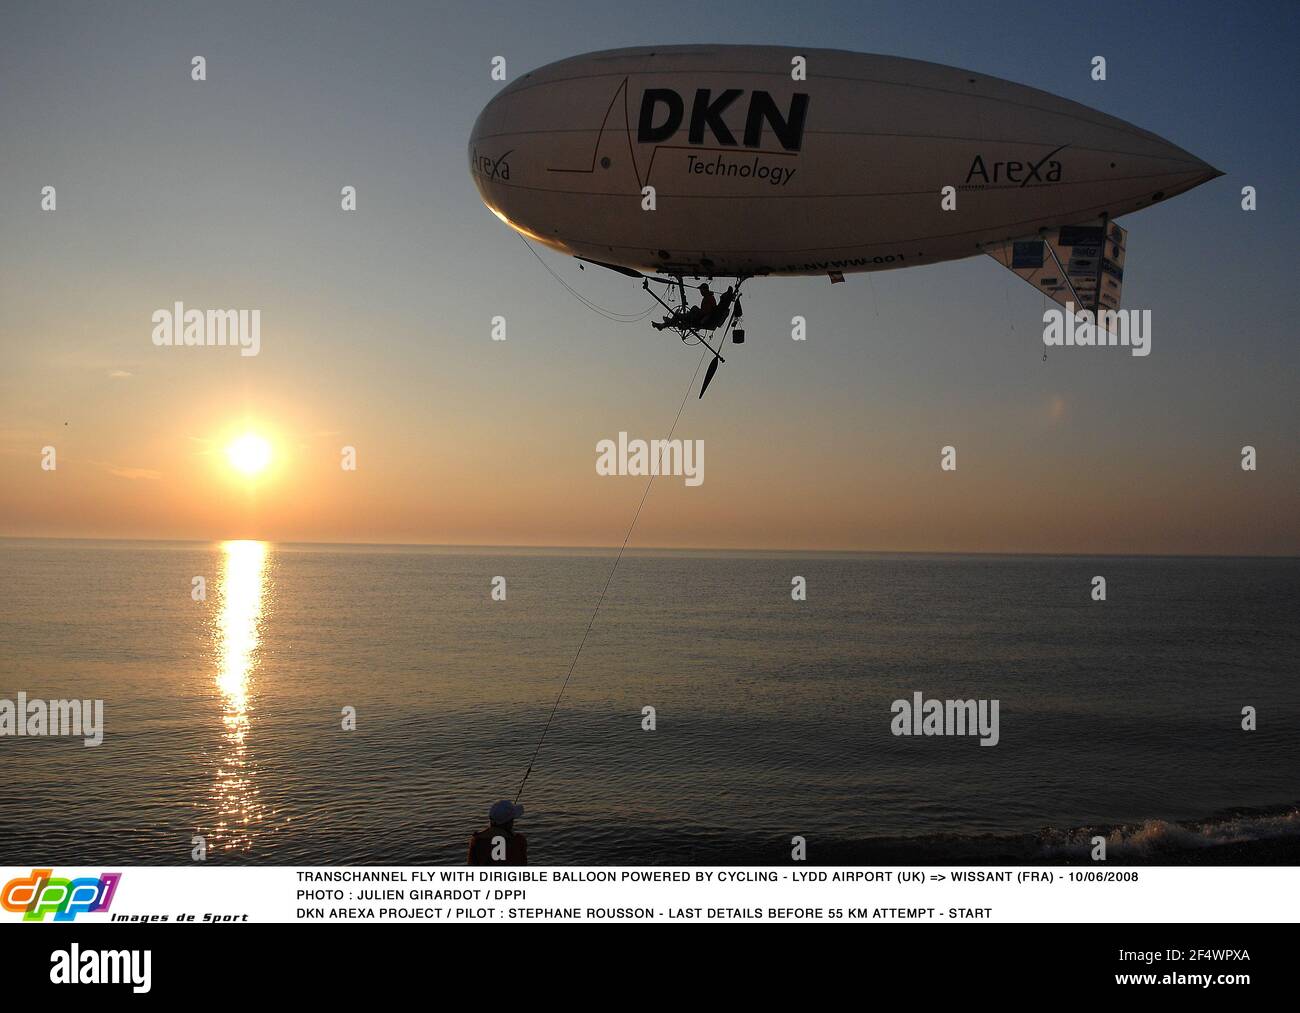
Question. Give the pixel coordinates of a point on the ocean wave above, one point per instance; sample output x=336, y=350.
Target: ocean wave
x=1155, y=837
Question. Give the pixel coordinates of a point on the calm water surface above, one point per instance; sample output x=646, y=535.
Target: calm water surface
x=223, y=717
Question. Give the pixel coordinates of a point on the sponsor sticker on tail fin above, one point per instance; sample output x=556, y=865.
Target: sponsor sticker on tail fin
x=1079, y=264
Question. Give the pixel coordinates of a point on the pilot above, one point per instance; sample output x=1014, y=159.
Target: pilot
x=695, y=316
x=497, y=843
x=708, y=305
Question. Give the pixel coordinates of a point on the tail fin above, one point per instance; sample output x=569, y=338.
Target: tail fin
x=1082, y=264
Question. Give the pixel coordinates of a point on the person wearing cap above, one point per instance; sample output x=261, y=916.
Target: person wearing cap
x=708, y=305
x=692, y=316
x=497, y=843
x=695, y=316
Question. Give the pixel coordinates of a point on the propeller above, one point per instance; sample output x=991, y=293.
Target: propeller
x=708, y=374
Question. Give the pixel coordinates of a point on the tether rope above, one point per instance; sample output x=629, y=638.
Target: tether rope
x=608, y=580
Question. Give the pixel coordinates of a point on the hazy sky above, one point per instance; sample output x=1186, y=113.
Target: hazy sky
x=375, y=324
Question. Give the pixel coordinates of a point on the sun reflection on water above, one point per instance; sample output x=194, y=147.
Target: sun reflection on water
x=237, y=635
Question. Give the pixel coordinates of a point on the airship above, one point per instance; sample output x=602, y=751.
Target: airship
x=749, y=161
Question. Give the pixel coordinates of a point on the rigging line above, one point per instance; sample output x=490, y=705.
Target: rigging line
x=608, y=580
x=875, y=300
x=1006, y=292
x=1044, y=317
x=619, y=318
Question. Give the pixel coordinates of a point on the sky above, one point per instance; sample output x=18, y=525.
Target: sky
x=376, y=323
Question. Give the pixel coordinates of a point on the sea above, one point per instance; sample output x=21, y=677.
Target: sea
x=332, y=704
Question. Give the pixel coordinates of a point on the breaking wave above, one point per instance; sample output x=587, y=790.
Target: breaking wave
x=1159, y=838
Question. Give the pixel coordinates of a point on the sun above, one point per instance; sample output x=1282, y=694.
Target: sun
x=249, y=455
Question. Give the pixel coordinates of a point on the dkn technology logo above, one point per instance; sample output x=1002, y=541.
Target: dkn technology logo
x=42, y=893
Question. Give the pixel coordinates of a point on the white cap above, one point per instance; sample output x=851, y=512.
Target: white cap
x=504, y=812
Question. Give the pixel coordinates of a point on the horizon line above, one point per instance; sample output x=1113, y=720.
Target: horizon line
x=659, y=548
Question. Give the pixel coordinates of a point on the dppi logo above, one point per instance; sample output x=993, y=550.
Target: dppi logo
x=485, y=165
x=40, y=894
x=705, y=113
